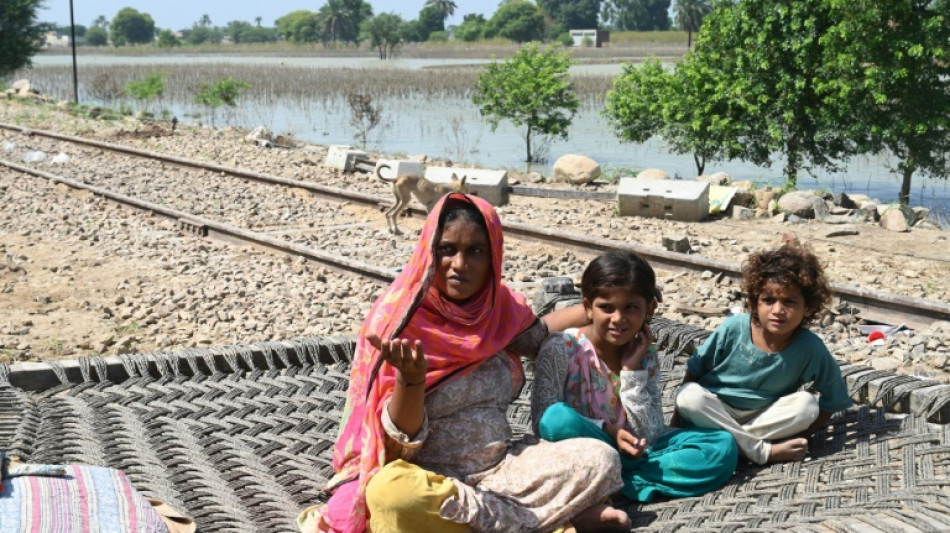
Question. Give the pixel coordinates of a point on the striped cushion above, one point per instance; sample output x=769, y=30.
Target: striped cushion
x=87, y=499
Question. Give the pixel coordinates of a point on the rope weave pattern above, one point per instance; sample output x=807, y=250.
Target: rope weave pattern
x=241, y=439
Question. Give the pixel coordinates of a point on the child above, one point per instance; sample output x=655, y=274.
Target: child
x=745, y=376
x=602, y=381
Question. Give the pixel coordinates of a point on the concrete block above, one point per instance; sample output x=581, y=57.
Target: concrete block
x=344, y=157
x=670, y=199
x=400, y=167
x=490, y=185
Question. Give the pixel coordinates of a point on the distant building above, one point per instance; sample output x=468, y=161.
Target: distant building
x=595, y=38
x=53, y=40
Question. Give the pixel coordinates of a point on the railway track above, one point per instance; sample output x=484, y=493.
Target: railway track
x=874, y=305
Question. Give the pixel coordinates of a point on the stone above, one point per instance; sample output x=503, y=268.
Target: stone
x=719, y=178
x=260, y=136
x=742, y=213
x=576, y=169
x=764, y=196
x=677, y=243
x=888, y=364
x=894, y=220
x=799, y=203
x=843, y=232
x=653, y=174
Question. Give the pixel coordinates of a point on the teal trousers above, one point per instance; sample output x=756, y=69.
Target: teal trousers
x=682, y=462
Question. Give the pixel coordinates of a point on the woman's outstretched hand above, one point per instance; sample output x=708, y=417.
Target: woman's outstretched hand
x=633, y=359
x=408, y=358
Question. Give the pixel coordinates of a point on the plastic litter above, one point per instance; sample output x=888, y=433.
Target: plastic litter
x=34, y=157
x=60, y=159
x=9, y=146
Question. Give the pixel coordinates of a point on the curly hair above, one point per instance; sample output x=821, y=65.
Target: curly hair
x=791, y=264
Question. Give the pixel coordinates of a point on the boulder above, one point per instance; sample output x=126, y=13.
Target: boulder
x=677, y=243
x=653, y=174
x=576, y=169
x=843, y=200
x=744, y=185
x=22, y=86
x=764, y=196
x=895, y=219
x=799, y=203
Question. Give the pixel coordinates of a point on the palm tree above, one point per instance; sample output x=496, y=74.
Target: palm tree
x=101, y=22
x=689, y=16
x=258, y=21
x=446, y=8
x=205, y=21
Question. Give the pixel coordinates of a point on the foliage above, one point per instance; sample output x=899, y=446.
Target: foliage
x=429, y=21
x=640, y=15
x=531, y=89
x=890, y=62
x=340, y=20
x=96, y=36
x=520, y=21
x=224, y=92
x=385, y=32
x=201, y=33
x=166, y=39
x=573, y=14
x=438, y=37
x=300, y=26
x=650, y=101
x=152, y=86
x=364, y=116
x=765, y=62
x=445, y=8
x=131, y=27
x=68, y=30
x=21, y=34
x=471, y=29
x=244, y=32
x=690, y=15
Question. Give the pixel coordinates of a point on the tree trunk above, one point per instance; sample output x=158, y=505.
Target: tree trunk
x=527, y=142
x=700, y=164
x=792, y=161
x=689, y=39
x=904, y=197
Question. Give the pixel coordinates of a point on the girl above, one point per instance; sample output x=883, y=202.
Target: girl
x=746, y=377
x=425, y=444
x=602, y=381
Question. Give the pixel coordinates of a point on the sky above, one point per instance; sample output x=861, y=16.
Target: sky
x=181, y=14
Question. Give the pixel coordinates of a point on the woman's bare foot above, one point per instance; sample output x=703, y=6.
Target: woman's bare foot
x=788, y=450
x=602, y=518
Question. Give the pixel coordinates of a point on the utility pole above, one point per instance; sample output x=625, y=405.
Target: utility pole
x=72, y=41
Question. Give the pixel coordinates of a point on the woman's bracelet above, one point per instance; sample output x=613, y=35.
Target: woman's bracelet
x=410, y=384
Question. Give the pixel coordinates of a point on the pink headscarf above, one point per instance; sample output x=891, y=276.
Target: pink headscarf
x=456, y=339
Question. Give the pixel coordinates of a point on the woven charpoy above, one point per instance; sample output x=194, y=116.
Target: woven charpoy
x=241, y=440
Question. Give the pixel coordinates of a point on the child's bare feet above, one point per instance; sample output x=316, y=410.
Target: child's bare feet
x=788, y=450
x=602, y=518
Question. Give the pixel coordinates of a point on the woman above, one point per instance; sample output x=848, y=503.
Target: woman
x=425, y=444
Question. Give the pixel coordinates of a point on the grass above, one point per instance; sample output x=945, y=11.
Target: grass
x=128, y=328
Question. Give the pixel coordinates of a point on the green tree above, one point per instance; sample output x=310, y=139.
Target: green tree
x=148, y=88
x=637, y=15
x=532, y=89
x=445, y=8
x=689, y=16
x=225, y=92
x=340, y=20
x=385, y=33
x=300, y=26
x=167, y=39
x=520, y=21
x=200, y=34
x=244, y=32
x=101, y=22
x=648, y=100
x=21, y=34
x=472, y=28
x=573, y=14
x=131, y=27
x=429, y=21
x=766, y=63
x=96, y=36
x=204, y=21
x=887, y=66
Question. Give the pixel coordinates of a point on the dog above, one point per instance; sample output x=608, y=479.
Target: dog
x=426, y=192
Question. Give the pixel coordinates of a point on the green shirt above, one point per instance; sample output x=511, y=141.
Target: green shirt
x=745, y=377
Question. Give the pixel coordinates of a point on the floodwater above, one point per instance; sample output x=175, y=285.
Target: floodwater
x=452, y=128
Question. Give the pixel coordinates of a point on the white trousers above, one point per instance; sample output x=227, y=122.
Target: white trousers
x=752, y=428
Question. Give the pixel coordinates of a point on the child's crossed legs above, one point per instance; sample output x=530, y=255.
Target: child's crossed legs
x=753, y=429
